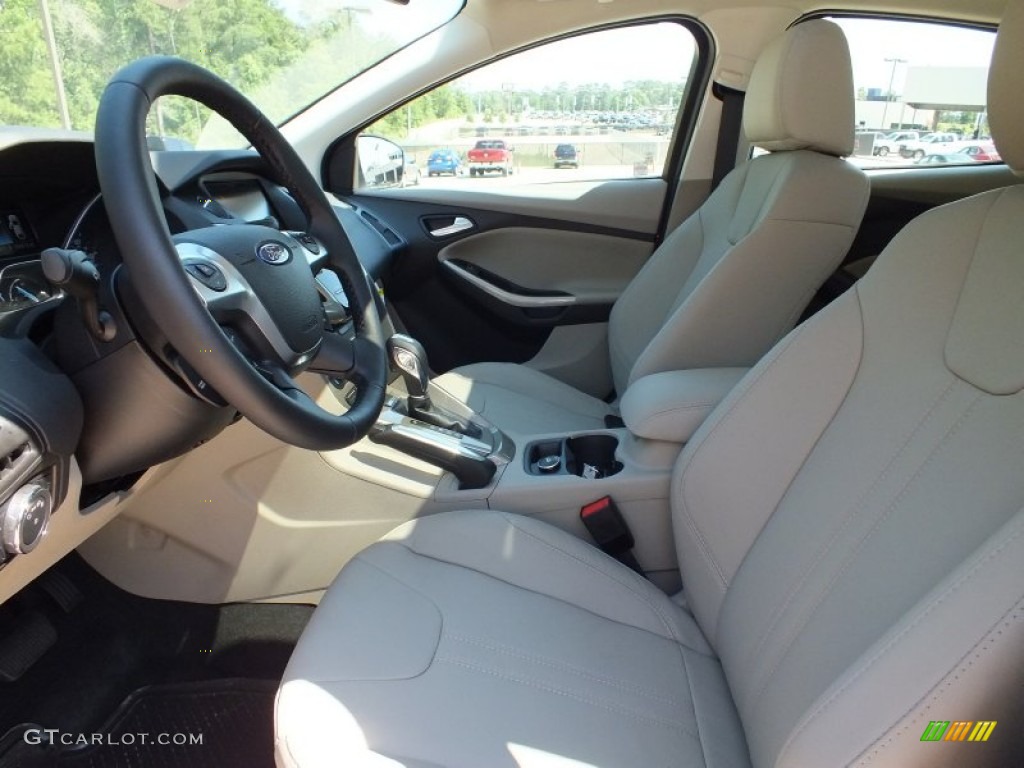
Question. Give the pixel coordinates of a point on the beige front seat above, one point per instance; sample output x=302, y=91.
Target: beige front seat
x=850, y=530
x=733, y=278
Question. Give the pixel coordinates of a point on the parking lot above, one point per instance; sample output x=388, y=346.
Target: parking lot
x=534, y=175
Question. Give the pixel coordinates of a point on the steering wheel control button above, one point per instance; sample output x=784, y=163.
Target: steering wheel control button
x=309, y=242
x=549, y=464
x=273, y=252
x=23, y=521
x=206, y=273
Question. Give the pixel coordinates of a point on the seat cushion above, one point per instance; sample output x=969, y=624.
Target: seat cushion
x=522, y=400
x=489, y=639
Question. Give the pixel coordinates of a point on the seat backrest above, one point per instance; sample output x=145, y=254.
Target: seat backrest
x=734, y=277
x=849, y=521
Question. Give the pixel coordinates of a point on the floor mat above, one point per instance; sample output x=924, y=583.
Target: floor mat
x=207, y=724
x=111, y=643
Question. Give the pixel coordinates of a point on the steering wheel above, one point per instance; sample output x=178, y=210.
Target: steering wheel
x=249, y=327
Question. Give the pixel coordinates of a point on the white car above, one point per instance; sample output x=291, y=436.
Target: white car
x=889, y=144
x=932, y=143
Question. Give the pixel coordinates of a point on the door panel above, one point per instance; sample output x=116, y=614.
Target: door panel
x=531, y=273
x=588, y=268
x=628, y=205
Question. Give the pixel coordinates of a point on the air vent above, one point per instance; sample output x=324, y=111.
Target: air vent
x=19, y=457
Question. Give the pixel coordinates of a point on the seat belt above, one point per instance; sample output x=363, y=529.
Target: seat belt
x=606, y=525
x=728, y=131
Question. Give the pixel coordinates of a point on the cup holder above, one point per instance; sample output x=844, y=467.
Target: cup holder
x=592, y=456
x=588, y=456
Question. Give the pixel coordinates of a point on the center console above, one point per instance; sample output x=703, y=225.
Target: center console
x=553, y=476
x=436, y=428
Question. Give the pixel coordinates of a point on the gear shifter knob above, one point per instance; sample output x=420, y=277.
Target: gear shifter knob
x=410, y=359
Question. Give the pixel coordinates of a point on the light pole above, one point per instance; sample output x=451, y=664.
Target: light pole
x=888, y=94
x=58, y=78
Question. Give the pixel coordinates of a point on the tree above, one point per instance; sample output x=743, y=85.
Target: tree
x=245, y=42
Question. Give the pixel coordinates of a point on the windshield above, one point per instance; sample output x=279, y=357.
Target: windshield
x=283, y=54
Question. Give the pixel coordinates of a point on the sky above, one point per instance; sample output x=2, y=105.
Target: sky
x=665, y=51
x=662, y=51
x=872, y=41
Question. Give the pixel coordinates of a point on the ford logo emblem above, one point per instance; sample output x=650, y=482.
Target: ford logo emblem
x=273, y=252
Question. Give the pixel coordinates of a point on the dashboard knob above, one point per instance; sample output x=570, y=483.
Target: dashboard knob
x=23, y=521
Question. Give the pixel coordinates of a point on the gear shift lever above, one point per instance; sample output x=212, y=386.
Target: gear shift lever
x=408, y=356
x=410, y=359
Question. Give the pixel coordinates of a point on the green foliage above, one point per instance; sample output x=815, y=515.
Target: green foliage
x=443, y=103
x=452, y=102
x=250, y=43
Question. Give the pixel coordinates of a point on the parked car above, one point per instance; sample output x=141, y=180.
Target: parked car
x=984, y=152
x=941, y=158
x=929, y=143
x=567, y=156
x=443, y=161
x=410, y=172
x=890, y=142
x=490, y=155
x=865, y=142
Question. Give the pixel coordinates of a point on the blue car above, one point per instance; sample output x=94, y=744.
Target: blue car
x=443, y=161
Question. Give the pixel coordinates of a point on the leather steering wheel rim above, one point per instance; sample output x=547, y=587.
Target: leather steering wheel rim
x=136, y=215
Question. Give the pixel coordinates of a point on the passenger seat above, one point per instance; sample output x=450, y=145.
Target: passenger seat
x=733, y=278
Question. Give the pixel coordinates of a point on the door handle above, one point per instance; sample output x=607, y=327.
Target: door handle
x=457, y=225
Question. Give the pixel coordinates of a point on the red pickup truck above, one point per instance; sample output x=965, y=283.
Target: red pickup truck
x=490, y=155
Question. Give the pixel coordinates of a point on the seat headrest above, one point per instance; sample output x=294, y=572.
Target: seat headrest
x=800, y=94
x=1005, y=105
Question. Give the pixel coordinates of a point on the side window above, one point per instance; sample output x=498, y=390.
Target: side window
x=921, y=91
x=599, y=105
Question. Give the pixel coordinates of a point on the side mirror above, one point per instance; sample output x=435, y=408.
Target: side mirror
x=380, y=162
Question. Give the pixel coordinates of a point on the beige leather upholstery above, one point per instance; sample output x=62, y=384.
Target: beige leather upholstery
x=487, y=639
x=787, y=106
x=1005, y=105
x=671, y=405
x=869, y=568
x=523, y=401
x=732, y=279
x=850, y=529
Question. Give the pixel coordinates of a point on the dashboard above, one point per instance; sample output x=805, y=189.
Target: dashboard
x=110, y=406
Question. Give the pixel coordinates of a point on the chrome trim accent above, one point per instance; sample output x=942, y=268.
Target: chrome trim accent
x=239, y=296
x=14, y=473
x=514, y=299
x=31, y=504
x=494, y=445
x=465, y=445
x=461, y=224
x=57, y=297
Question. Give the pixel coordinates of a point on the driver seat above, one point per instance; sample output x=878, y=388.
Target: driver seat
x=850, y=531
